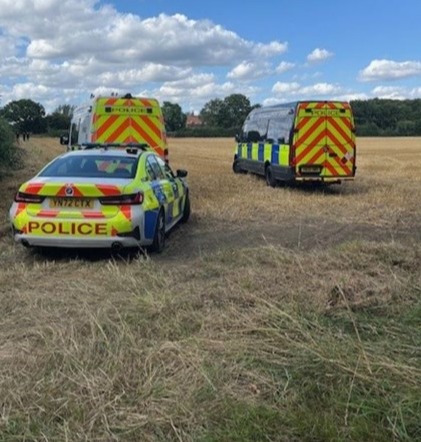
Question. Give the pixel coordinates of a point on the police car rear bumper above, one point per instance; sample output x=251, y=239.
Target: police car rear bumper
x=66, y=242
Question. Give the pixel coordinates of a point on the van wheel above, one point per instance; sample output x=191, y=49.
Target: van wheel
x=158, y=243
x=186, y=210
x=236, y=167
x=270, y=180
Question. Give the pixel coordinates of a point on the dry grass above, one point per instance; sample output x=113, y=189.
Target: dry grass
x=274, y=315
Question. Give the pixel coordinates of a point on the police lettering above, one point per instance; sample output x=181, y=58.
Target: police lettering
x=127, y=110
x=83, y=229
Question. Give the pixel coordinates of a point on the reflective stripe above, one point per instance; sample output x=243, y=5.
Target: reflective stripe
x=324, y=136
x=274, y=153
x=118, y=120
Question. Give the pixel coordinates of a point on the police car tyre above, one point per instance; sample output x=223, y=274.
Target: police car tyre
x=186, y=211
x=270, y=180
x=158, y=243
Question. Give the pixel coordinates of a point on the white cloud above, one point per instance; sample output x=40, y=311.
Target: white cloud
x=273, y=101
x=294, y=90
x=8, y=46
x=319, y=55
x=285, y=88
x=294, y=96
x=198, y=89
x=390, y=70
x=59, y=51
x=321, y=90
x=248, y=70
x=389, y=92
x=74, y=47
x=267, y=50
x=396, y=92
x=284, y=66
x=59, y=29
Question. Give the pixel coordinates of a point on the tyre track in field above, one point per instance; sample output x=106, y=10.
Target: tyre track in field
x=190, y=242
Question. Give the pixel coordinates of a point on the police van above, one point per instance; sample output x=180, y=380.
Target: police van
x=302, y=141
x=115, y=120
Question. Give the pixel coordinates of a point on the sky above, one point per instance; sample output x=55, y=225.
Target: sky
x=189, y=52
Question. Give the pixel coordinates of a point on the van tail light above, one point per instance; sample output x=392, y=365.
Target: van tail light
x=29, y=198
x=122, y=200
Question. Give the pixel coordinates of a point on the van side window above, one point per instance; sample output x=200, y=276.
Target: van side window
x=279, y=129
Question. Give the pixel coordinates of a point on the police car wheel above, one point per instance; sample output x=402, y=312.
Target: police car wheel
x=186, y=211
x=158, y=243
x=270, y=180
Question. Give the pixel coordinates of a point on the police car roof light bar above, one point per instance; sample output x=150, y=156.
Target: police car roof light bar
x=140, y=146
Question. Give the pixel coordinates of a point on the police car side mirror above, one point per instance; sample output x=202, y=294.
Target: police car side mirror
x=237, y=138
x=181, y=173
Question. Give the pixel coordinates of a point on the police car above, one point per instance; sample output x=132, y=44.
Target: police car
x=101, y=196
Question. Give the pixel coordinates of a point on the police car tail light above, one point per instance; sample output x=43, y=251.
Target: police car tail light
x=121, y=200
x=22, y=197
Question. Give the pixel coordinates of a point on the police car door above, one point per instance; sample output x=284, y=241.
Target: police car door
x=163, y=189
x=175, y=189
x=154, y=173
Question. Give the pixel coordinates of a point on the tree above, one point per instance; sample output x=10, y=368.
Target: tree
x=8, y=153
x=60, y=119
x=174, y=117
x=237, y=107
x=212, y=113
x=227, y=113
x=65, y=109
x=25, y=115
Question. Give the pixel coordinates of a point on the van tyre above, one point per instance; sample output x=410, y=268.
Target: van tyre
x=158, y=243
x=186, y=210
x=270, y=180
x=236, y=167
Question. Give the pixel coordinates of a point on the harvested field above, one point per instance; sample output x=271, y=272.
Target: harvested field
x=286, y=314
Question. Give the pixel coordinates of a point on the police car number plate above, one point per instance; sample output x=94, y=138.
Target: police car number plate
x=75, y=203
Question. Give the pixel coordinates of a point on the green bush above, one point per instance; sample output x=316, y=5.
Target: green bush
x=9, y=155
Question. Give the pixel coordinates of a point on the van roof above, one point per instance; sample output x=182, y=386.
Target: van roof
x=286, y=108
x=293, y=104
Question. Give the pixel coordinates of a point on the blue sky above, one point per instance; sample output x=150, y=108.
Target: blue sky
x=191, y=51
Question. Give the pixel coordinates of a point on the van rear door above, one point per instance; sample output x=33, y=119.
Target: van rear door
x=129, y=120
x=324, y=141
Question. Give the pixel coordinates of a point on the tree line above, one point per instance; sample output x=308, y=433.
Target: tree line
x=386, y=118
x=223, y=117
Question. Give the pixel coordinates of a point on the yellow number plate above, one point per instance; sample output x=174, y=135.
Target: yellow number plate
x=310, y=169
x=74, y=203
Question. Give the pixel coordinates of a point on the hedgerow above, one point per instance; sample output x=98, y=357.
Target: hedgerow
x=9, y=154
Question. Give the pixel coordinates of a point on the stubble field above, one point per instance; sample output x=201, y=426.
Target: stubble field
x=283, y=314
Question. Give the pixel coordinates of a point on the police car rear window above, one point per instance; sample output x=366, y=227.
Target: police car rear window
x=90, y=166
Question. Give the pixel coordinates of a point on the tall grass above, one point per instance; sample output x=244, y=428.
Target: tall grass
x=266, y=318
x=246, y=345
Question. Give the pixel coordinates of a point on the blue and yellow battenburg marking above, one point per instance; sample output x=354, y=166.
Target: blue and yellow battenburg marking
x=264, y=152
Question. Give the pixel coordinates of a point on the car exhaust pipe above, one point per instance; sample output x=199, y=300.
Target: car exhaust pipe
x=116, y=246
